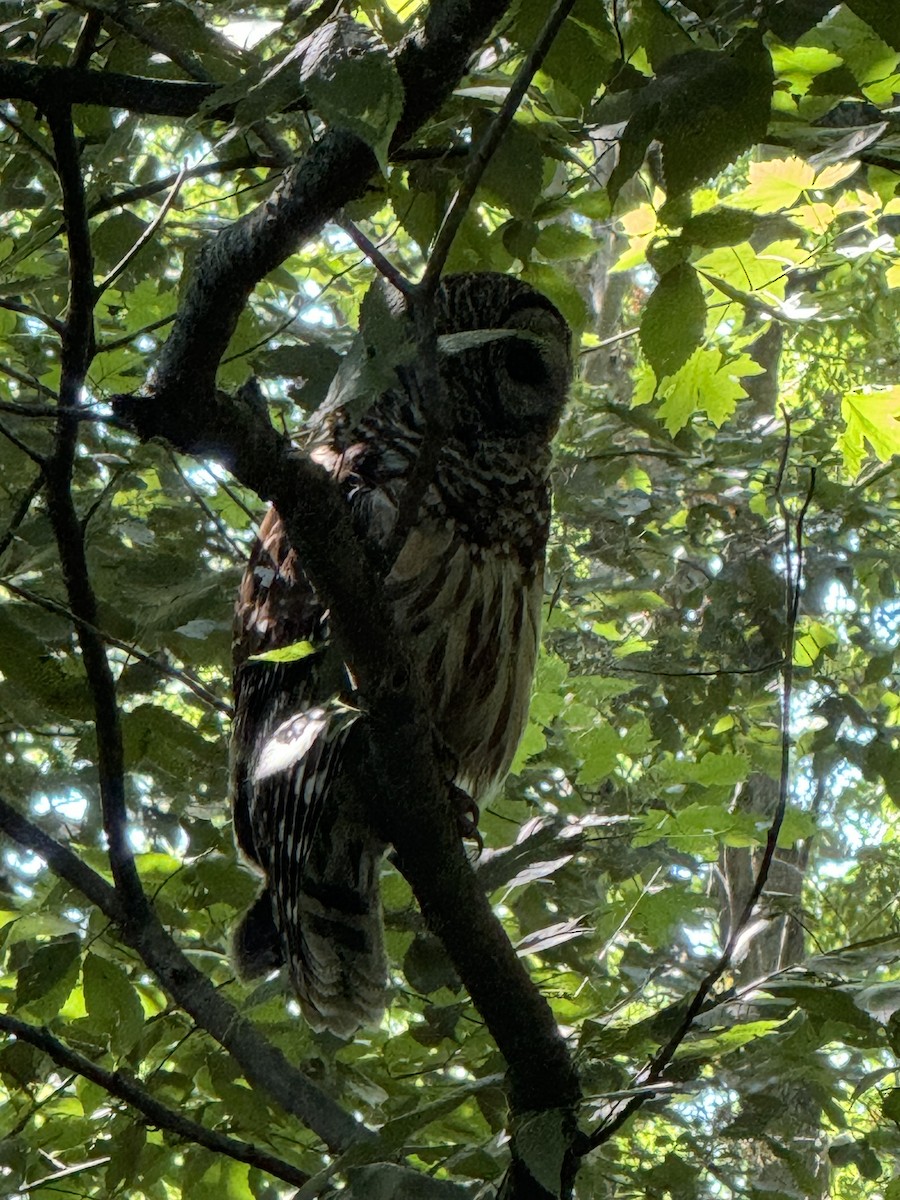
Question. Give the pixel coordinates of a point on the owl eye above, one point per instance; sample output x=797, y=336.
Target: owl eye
x=524, y=362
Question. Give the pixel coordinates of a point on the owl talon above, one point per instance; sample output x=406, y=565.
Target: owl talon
x=467, y=817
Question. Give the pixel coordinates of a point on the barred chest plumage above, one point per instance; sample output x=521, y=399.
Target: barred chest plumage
x=466, y=586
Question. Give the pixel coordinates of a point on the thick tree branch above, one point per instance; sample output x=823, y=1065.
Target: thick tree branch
x=333, y=172
x=44, y=86
x=121, y=1086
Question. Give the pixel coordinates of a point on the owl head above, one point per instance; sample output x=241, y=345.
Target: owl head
x=504, y=354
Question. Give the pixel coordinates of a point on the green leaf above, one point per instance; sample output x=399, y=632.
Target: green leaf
x=873, y=419
x=810, y=643
x=388, y=1181
x=583, y=51
x=112, y=1003
x=882, y=18
x=673, y=320
x=285, y=654
x=714, y=770
x=124, y=1149
x=311, y=367
x=37, y=676
x=427, y=966
x=704, y=384
x=633, y=145
x=541, y=1141
x=775, y=184
x=719, y=227
x=717, y=105
x=352, y=83
x=515, y=171
x=370, y=367
x=601, y=748
x=48, y=975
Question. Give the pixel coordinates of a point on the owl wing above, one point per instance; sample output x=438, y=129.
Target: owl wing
x=319, y=911
x=276, y=608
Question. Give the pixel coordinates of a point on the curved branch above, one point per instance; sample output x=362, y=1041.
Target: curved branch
x=117, y=1084
x=263, y=1065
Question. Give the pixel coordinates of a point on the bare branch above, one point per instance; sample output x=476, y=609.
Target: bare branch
x=145, y=191
x=382, y=264
x=47, y=412
x=55, y=85
x=27, y=311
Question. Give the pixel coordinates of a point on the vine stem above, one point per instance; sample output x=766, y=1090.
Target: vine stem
x=654, y=1071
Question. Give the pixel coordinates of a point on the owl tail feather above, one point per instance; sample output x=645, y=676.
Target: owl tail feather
x=336, y=951
x=338, y=965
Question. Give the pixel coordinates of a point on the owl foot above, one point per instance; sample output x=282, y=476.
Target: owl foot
x=466, y=816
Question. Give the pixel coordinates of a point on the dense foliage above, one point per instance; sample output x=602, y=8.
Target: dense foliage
x=709, y=193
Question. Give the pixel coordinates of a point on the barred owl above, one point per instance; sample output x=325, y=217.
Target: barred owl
x=464, y=579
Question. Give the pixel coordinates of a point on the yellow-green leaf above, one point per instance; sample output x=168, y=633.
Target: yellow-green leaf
x=285, y=654
x=873, y=419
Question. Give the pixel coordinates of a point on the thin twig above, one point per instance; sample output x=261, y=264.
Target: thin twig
x=26, y=137
x=27, y=450
x=234, y=497
x=711, y=672
x=145, y=191
x=179, y=673
x=145, y=237
x=48, y=412
x=26, y=381
x=486, y=148
x=382, y=264
x=128, y=338
x=159, y=1114
x=236, y=549
x=21, y=512
x=611, y=341
x=27, y=311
